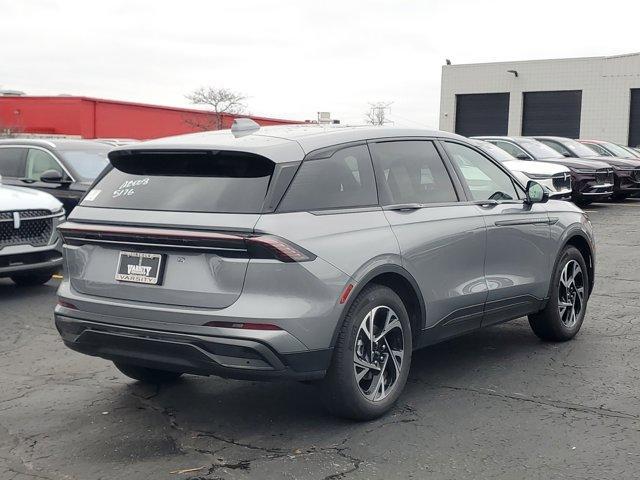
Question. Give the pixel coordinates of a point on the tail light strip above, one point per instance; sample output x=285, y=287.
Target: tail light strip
x=253, y=245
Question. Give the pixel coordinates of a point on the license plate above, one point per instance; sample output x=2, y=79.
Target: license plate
x=140, y=267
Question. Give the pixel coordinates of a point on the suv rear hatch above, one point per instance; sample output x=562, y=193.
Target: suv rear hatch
x=169, y=227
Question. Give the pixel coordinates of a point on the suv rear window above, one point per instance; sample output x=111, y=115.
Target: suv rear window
x=341, y=181
x=189, y=181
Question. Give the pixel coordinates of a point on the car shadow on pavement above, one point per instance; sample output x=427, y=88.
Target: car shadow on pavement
x=244, y=408
x=200, y=421
x=10, y=291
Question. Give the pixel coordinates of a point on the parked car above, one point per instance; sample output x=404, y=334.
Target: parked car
x=30, y=248
x=590, y=180
x=607, y=149
x=555, y=178
x=633, y=151
x=626, y=171
x=62, y=167
x=313, y=253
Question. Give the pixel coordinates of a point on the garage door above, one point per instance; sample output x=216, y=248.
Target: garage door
x=482, y=114
x=634, y=119
x=552, y=113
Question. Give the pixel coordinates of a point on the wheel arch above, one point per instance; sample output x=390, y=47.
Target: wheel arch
x=400, y=281
x=578, y=239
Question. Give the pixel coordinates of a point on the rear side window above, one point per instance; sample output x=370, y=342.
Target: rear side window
x=411, y=172
x=343, y=180
x=598, y=149
x=512, y=149
x=12, y=162
x=558, y=147
x=189, y=181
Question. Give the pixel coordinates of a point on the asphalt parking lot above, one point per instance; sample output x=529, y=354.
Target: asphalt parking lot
x=495, y=404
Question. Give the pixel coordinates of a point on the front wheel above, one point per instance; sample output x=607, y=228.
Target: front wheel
x=564, y=313
x=619, y=197
x=372, y=356
x=581, y=201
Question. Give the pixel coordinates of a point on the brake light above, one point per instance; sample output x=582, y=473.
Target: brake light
x=220, y=242
x=243, y=326
x=280, y=248
x=62, y=303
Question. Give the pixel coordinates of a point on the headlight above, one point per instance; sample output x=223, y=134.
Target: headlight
x=58, y=211
x=537, y=176
x=582, y=170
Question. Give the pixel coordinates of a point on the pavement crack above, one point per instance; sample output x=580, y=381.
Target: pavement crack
x=600, y=411
x=229, y=441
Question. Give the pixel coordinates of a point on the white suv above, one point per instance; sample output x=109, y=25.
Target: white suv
x=555, y=178
x=30, y=249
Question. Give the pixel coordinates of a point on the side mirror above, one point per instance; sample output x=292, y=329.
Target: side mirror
x=53, y=176
x=566, y=154
x=536, y=193
x=522, y=156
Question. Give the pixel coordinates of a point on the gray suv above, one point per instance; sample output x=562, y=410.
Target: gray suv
x=312, y=253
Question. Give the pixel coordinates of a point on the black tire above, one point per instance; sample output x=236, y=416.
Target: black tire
x=581, y=201
x=147, y=375
x=619, y=197
x=31, y=279
x=340, y=389
x=548, y=323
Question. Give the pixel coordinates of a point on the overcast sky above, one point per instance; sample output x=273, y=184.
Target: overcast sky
x=292, y=58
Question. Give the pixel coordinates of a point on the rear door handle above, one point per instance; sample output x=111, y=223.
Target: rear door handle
x=404, y=207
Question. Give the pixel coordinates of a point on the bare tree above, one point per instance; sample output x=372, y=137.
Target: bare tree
x=378, y=113
x=221, y=100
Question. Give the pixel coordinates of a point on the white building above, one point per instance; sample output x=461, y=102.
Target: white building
x=596, y=98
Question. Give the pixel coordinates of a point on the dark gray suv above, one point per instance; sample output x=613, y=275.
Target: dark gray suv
x=313, y=253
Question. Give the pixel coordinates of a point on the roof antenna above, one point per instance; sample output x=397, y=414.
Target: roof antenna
x=244, y=126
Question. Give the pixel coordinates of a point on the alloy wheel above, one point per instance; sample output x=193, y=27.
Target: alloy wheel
x=571, y=293
x=378, y=353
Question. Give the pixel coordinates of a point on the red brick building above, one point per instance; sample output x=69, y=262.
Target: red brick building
x=98, y=118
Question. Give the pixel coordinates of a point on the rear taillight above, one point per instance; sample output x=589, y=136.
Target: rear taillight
x=243, y=326
x=62, y=303
x=277, y=247
x=222, y=243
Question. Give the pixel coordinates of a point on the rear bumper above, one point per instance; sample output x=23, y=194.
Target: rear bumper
x=239, y=358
